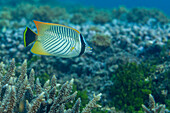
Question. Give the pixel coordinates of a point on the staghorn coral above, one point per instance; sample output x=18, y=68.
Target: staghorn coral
x=92, y=104
x=22, y=95
x=153, y=107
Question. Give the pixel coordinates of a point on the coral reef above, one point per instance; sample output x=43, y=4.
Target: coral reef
x=138, y=80
x=101, y=40
x=43, y=13
x=130, y=86
x=120, y=13
x=117, y=36
x=102, y=17
x=142, y=15
x=77, y=19
x=48, y=14
x=15, y=92
x=153, y=107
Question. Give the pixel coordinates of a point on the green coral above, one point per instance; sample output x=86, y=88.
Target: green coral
x=131, y=86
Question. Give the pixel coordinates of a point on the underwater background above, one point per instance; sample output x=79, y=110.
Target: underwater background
x=130, y=58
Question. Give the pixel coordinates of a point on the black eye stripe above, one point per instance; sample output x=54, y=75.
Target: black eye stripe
x=82, y=45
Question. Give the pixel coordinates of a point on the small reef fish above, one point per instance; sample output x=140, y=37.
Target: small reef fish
x=56, y=40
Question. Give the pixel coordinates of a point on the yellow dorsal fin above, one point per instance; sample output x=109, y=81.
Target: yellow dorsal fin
x=38, y=49
x=42, y=26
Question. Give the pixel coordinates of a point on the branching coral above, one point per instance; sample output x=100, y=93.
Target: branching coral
x=153, y=107
x=18, y=92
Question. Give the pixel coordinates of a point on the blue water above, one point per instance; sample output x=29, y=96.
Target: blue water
x=162, y=5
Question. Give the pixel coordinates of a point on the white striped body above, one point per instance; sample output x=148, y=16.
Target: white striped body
x=60, y=41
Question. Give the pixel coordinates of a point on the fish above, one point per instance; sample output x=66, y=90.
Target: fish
x=55, y=40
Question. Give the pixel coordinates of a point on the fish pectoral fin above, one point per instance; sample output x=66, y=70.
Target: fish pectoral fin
x=72, y=49
x=38, y=49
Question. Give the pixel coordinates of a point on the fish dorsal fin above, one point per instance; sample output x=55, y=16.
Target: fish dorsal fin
x=38, y=49
x=42, y=26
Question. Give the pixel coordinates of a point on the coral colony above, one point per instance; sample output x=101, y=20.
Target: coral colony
x=17, y=91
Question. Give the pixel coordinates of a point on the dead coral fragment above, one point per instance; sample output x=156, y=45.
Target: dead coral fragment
x=153, y=107
x=18, y=92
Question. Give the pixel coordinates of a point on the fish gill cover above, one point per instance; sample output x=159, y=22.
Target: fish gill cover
x=130, y=50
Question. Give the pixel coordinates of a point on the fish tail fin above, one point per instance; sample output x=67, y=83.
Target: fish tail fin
x=29, y=36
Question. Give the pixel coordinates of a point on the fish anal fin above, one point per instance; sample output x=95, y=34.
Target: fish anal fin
x=38, y=49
